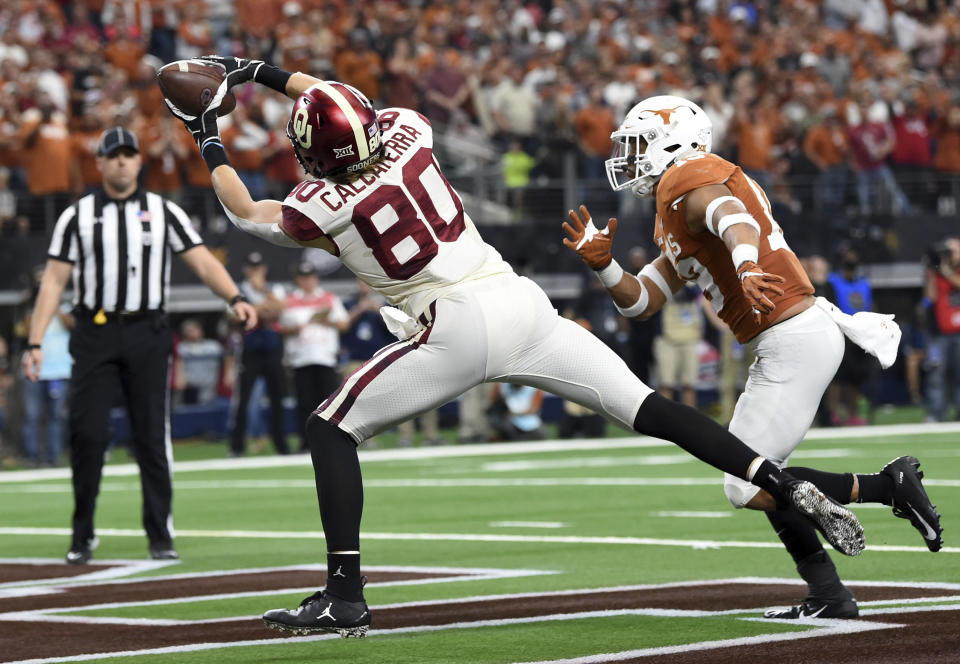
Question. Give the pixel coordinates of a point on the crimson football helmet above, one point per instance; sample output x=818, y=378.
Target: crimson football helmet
x=334, y=129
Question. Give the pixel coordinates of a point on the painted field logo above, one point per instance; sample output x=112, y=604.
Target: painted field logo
x=94, y=613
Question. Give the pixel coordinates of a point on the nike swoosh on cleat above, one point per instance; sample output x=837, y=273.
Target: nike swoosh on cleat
x=930, y=533
x=814, y=614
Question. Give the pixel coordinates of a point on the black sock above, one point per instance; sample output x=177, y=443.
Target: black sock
x=835, y=485
x=772, y=480
x=875, y=488
x=336, y=470
x=796, y=532
x=343, y=576
x=821, y=576
x=694, y=432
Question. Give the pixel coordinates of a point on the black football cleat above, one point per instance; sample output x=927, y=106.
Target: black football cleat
x=910, y=500
x=322, y=612
x=838, y=525
x=811, y=608
x=163, y=552
x=80, y=554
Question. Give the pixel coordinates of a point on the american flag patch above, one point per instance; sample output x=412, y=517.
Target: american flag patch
x=371, y=130
x=144, y=216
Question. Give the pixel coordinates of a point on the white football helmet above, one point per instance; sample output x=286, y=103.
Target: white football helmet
x=654, y=134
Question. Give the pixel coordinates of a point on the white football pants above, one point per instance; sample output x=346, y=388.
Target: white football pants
x=501, y=328
x=796, y=361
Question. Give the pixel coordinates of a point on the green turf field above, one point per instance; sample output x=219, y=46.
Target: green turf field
x=527, y=519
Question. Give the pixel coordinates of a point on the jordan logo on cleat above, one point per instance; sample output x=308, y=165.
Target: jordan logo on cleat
x=339, y=572
x=326, y=613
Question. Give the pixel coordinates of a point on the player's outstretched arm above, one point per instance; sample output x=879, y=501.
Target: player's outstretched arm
x=714, y=209
x=638, y=296
x=242, y=70
x=259, y=218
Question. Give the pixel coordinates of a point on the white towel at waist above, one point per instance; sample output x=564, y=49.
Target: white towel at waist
x=877, y=334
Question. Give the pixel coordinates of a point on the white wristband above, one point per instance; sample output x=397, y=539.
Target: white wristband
x=744, y=252
x=611, y=275
x=651, y=272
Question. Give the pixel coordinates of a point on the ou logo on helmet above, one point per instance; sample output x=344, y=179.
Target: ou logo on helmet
x=302, y=128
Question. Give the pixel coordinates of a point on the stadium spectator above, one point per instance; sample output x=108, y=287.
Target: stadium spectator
x=198, y=364
x=943, y=350
x=249, y=145
x=514, y=107
x=825, y=145
x=515, y=412
x=261, y=356
x=677, y=349
x=911, y=159
x=871, y=142
x=46, y=157
x=851, y=293
x=445, y=88
x=311, y=322
x=164, y=154
x=594, y=123
x=947, y=160
x=45, y=401
x=516, y=166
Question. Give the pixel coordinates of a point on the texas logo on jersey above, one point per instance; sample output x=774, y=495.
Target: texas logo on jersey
x=703, y=257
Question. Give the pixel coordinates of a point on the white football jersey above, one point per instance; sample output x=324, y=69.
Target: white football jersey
x=401, y=229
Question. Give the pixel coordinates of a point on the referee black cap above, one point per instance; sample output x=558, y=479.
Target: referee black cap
x=114, y=138
x=253, y=258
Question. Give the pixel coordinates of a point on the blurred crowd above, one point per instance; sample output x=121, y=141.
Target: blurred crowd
x=834, y=105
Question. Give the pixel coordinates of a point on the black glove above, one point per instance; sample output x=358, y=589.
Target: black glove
x=202, y=127
x=236, y=71
x=241, y=70
x=204, y=130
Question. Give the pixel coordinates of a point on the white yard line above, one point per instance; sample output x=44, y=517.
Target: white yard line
x=830, y=628
x=704, y=514
x=527, y=524
x=458, y=537
x=426, y=483
x=451, y=451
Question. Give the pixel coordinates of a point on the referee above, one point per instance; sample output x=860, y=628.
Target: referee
x=116, y=245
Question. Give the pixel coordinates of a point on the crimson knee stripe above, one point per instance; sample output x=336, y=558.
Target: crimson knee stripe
x=362, y=367
x=381, y=365
x=365, y=380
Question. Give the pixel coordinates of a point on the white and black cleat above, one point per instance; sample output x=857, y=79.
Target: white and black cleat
x=812, y=609
x=838, y=525
x=322, y=612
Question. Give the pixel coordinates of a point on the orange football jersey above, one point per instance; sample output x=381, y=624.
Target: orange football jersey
x=703, y=257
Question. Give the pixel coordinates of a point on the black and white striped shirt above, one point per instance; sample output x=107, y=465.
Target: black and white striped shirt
x=120, y=250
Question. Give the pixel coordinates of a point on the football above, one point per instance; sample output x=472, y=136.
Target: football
x=190, y=86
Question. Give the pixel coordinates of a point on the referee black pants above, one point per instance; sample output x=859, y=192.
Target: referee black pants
x=134, y=355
